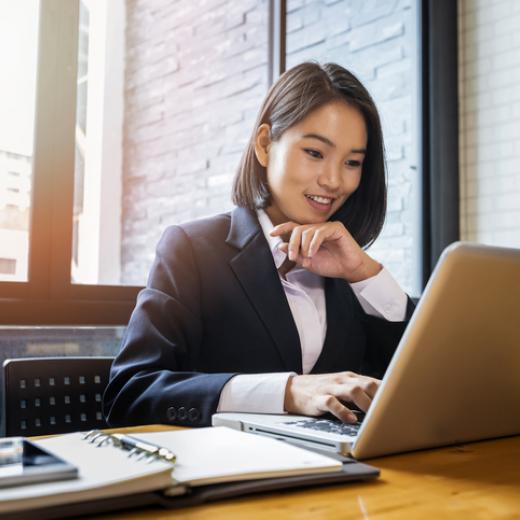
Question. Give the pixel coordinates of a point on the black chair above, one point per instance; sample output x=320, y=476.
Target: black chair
x=51, y=395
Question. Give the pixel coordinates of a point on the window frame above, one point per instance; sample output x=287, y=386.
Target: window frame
x=440, y=129
x=49, y=297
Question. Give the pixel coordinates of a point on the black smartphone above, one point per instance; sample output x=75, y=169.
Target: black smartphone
x=22, y=462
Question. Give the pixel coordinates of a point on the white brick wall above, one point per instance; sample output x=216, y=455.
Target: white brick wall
x=196, y=72
x=489, y=95
x=194, y=83
x=376, y=40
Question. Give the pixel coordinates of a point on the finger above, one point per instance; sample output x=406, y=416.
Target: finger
x=307, y=238
x=284, y=247
x=317, y=240
x=371, y=387
x=352, y=393
x=329, y=231
x=295, y=243
x=332, y=404
x=300, y=260
x=361, y=399
x=282, y=229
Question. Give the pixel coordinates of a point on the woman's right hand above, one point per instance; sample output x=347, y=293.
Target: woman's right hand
x=316, y=394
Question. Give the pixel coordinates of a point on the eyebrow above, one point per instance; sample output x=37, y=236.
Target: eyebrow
x=328, y=142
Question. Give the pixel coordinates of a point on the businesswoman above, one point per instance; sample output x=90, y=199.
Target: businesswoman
x=276, y=306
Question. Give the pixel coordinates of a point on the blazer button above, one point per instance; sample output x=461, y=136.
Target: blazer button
x=193, y=414
x=182, y=413
x=171, y=413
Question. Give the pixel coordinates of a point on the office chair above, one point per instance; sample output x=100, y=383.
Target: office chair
x=50, y=395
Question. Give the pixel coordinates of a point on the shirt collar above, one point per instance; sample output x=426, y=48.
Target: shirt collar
x=273, y=242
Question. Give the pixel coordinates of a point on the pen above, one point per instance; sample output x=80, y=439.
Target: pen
x=132, y=444
x=143, y=448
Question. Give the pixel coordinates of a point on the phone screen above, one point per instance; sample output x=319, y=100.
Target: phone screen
x=22, y=462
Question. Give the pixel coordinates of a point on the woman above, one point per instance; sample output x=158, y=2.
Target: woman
x=274, y=307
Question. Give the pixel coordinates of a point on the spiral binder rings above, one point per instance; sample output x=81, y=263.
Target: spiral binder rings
x=137, y=447
x=171, y=469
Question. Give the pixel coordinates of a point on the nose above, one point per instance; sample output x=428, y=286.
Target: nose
x=330, y=178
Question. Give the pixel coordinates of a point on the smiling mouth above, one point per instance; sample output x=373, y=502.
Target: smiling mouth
x=319, y=204
x=322, y=201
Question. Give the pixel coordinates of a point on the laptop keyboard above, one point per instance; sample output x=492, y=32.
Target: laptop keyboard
x=328, y=425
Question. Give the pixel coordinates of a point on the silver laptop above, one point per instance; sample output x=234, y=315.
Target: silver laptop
x=454, y=378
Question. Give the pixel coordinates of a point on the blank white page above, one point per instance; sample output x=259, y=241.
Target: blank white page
x=220, y=454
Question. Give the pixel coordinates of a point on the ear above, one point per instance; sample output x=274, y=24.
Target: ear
x=263, y=143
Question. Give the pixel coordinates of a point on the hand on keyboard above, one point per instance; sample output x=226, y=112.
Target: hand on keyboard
x=315, y=394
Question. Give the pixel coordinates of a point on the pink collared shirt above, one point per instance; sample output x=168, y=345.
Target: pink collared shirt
x=379, y=296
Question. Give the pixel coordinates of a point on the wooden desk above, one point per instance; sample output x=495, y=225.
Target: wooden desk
x=473, y=481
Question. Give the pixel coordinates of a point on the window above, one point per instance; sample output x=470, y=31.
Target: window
x=150, y=106
x=18, y=46
x=166, y=98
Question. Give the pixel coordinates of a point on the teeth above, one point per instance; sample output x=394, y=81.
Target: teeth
x=321, y=200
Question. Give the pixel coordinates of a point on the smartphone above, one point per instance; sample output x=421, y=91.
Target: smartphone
x=22, y=462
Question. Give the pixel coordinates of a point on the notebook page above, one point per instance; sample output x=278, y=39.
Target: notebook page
x=220, y=454
x=104, y=471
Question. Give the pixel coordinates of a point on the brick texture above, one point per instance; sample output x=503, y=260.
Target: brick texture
x=196, y=72
x=489, y=56
x=375, y=39
x=196, y=75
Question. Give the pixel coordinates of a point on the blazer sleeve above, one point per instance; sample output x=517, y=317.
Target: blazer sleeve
x=382, y=339
x=152, y=379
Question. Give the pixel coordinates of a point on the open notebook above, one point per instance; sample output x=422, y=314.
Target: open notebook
x=205, y=458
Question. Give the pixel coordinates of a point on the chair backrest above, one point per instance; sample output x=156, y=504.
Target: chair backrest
x=54, y=395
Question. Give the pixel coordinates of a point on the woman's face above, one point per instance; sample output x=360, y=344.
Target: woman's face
x=315, y=165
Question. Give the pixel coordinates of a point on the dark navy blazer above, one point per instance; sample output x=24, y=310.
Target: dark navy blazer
x=213, y=307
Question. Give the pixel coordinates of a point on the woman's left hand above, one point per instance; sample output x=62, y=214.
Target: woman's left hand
x=326, y=249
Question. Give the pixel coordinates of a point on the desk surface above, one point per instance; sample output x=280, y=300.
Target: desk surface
x=477, y=481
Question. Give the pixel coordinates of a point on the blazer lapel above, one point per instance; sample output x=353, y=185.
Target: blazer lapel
x=254, y=268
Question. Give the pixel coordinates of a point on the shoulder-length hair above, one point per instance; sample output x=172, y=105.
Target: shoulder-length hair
x=295, y=95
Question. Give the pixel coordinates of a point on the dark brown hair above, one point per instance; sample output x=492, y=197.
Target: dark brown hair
x=293, y=97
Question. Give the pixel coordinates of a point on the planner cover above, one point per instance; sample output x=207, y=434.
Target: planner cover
x=204, y=457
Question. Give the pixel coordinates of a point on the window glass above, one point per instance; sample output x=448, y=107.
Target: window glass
x=18, y=50
x=377, y=42
x=167, y=94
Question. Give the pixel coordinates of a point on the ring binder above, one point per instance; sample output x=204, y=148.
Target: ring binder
x=212, y=463
x=134, y=446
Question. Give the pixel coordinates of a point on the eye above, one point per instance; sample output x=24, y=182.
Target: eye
x=313, y=153
x=353, y=163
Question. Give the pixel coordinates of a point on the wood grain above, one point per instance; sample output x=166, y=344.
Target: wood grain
x=474, y=481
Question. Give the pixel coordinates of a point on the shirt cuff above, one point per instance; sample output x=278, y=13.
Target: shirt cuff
x=381, y=296
x=256, y=393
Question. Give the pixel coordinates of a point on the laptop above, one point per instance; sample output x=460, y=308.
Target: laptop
x=454, y=378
